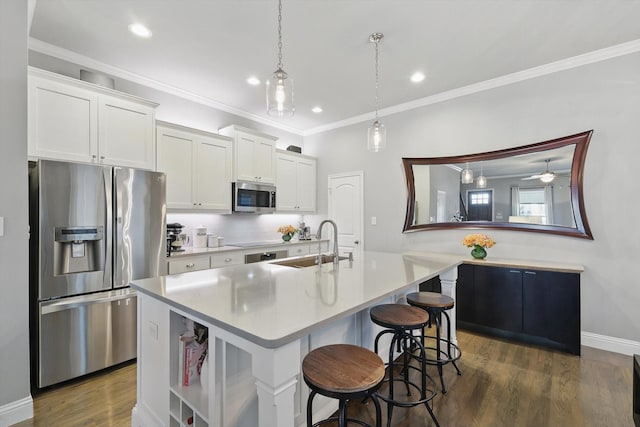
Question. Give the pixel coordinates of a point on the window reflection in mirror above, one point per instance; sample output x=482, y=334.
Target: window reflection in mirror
x=533, y=188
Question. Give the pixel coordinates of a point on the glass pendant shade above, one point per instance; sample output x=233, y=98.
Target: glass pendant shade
x=547, y=177
x=466, y=176
x=280, y=94
x=481, y=182
x=376, y=137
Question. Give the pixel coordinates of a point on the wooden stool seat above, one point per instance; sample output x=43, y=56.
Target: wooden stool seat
x=398, y=315
x=430, y=300
x=343, y=368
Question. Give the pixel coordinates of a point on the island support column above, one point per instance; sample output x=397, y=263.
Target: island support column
x=276, y=370
x=448, y=281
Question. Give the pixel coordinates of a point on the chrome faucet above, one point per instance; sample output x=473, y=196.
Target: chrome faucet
x=335, y=240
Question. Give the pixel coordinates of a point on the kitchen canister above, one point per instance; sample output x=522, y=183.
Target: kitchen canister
x=212, y=241
x=200, y=237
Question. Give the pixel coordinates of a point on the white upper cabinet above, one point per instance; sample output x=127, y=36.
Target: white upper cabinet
x=254, y=155
x=295, y=183
x=198, y=167
x=78, y=121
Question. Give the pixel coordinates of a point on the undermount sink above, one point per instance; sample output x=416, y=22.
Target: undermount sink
x=307, y=261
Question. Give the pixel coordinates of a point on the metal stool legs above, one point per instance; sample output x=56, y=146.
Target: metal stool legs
x=440, y=361
x=406, y=341
x=342, y=411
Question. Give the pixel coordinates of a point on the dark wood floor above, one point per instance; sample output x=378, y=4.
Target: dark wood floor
x=503, y=384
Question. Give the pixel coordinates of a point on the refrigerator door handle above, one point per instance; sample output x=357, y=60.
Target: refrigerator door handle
x=108, y=253
x=54, y=306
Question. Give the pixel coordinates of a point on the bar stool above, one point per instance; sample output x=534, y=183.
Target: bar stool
x=436, y=305
x=401, y=321
x=343, y=372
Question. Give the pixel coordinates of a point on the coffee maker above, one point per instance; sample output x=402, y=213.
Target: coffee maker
x=174, y=240
x=304, y=231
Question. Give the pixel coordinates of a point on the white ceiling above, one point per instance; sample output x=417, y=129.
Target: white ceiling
x=210, y=47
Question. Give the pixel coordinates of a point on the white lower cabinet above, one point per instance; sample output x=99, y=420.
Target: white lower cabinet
x=186, y=264
x=226, y=259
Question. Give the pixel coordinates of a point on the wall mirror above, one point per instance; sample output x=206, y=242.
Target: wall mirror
x=536, y=188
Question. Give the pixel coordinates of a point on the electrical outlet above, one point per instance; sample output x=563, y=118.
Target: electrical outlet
x=153, y=330
x=374, y=220
x=1, y=226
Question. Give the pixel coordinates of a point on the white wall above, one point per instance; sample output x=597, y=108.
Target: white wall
x=15, y=399
x=603, y=96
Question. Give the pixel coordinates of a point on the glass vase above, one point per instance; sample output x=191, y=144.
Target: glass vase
x=287, y=237
x=478, y=252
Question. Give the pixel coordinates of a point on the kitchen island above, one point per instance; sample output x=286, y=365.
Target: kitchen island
x=262, y=319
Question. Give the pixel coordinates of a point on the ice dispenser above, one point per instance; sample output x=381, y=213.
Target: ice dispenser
x=78, y=249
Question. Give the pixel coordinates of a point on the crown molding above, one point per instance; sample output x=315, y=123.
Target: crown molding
x=531, y=73
x=84, y=61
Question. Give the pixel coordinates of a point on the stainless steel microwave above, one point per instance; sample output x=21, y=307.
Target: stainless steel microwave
x=252, y=197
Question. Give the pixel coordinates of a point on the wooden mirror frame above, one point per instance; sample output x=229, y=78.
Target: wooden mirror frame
x=581, y=230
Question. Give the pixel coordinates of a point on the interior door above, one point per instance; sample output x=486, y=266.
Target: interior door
x=345, y=208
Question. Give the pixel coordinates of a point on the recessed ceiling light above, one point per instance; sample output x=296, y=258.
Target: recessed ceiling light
x=417, y=77
x=317, y=110
x=253, y=81
x=140, y=30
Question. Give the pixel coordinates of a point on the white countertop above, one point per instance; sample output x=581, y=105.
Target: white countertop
x=272, y=305
x=191, y=251
x=503, y=262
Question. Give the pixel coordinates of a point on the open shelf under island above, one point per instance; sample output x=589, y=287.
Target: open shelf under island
x=262, y=319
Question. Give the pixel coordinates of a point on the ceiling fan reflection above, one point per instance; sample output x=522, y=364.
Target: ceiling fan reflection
x=546, y=176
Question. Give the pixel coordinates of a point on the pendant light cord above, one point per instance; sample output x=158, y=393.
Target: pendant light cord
x=280, y=34
x=377, y=79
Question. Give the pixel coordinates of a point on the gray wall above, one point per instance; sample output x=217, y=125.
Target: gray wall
x=14, y=322
x=602, y=96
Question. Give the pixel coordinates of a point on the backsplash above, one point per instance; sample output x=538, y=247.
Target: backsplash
x=237, y=227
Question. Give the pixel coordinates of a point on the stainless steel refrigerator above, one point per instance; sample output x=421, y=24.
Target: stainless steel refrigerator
x=93, y=229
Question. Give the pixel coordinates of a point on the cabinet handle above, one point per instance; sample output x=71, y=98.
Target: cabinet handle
x=227, y=260
x=514, y=271
x=101, y=157
x=93, y=156
x=530, y=272
x=195, y=204
x=199, y=204
x=190, y=265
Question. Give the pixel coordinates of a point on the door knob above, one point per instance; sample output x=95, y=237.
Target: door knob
x=356, y=242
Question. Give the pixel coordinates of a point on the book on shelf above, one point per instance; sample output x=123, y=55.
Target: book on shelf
x=192, y=350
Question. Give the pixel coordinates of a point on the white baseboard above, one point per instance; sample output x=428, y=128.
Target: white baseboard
x=17, y=411
x=616, y=345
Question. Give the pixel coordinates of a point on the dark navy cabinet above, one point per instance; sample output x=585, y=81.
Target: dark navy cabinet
x=536, y=306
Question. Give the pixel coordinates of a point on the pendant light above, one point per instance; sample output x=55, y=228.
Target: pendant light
x=280, y=85
x=481, y=182
x=466, y=176
x=377, y=132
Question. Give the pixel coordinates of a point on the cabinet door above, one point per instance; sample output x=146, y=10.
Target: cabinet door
x=498, y=298
x=175, y=154
x=126, y=136
x=186, y=264
x=244, y=157
x=286, y=183
x=465, y=294
x=62, y=121
x=552, y=306
x=212, y=174
x=264, y=152
x=306, y=189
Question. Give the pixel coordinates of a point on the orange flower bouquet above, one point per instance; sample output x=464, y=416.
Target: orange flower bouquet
x=478, y=242
x=287, y=232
